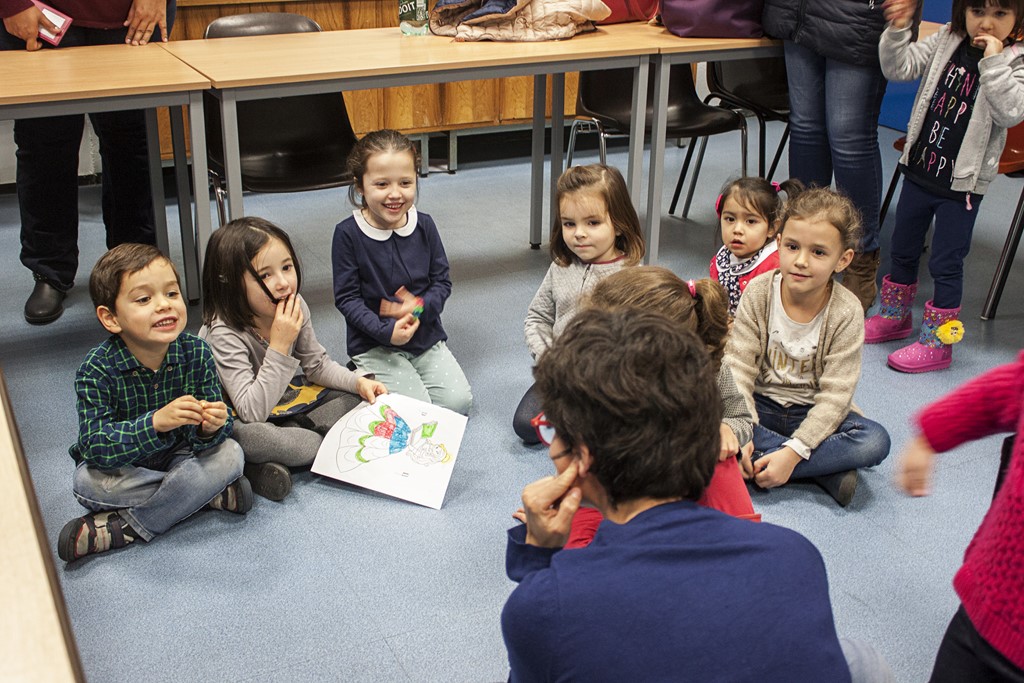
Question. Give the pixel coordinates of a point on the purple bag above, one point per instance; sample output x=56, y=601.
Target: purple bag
x=713, y=18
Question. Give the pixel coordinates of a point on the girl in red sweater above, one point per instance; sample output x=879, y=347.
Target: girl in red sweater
x=985, y=639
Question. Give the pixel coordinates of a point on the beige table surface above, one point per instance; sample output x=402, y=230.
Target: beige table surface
x=36, y=642
x=99, y=71
x=100, y=78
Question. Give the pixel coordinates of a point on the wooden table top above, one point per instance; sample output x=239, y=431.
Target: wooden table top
x=265, y=60
x=35, y=639
x=77, y=73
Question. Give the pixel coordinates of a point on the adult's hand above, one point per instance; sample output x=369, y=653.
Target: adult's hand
x=26, y=24
x=143, y=18
x=550, y=504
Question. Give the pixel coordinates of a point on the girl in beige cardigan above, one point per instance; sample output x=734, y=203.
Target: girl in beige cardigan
x=795, y=354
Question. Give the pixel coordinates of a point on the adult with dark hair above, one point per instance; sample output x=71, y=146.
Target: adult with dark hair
x=835, y=95
x=667, y=590
x=47, y=172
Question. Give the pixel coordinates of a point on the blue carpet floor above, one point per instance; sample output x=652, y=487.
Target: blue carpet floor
x=336, y=583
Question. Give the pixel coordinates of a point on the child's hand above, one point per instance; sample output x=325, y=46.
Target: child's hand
x=520, y=515
x=405, y=328
x=370, y=389
x=990, y=44
x=184, y=410
x=775, y=468
x=746, y=466
x=407, y=303
x=899, y=13
x=915, y=467
x=286, y=326
x=549, y=505
x=730, y=445
x=215, y=414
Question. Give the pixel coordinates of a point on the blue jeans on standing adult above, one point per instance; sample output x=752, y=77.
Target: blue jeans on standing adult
x=157, y=493
x=954, y=225
x=858, y=442
x=47, y=172
x=833, y=128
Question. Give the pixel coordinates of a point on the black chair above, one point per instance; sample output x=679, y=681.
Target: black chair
x=759, y=86
x=286, y=144
x=604, y=102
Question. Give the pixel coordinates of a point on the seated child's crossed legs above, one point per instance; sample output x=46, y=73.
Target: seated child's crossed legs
x=433, y=376
x=160, y=492
x=857, y=442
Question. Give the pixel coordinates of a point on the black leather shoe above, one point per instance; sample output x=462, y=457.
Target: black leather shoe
x=45, y=304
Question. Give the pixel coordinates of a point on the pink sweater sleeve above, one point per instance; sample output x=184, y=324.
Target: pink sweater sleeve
x=988, y=404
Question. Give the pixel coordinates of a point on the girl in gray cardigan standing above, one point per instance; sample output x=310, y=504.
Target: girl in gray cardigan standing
x=795, y=354
x=972, y=90
x=284, y=388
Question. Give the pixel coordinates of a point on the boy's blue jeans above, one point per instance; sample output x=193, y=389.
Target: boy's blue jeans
x=858, y=442
x=156, y=494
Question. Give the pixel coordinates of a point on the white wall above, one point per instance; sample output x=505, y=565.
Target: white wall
x=88, y=159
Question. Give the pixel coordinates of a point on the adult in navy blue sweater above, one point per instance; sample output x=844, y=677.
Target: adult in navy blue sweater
x=391, y=278
x=668, y=590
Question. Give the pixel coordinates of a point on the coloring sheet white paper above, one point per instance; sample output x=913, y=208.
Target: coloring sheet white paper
x=398, y=446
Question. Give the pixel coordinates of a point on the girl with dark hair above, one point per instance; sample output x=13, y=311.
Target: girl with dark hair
x=282, y=385
x=748, y=212
x=972, y=90
x=391, y=278
x=596, y=233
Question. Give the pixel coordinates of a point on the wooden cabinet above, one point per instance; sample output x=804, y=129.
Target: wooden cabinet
x=411, y=109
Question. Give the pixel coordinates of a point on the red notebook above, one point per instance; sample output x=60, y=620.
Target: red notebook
x=58, y=18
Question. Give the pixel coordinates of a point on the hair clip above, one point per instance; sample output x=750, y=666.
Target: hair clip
x=692, y=287
x=778, y=188
x=718, y=205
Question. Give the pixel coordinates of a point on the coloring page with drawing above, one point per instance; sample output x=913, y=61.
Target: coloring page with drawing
x=398, y=446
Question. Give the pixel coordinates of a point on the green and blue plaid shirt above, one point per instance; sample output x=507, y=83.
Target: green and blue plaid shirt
x=117, y=396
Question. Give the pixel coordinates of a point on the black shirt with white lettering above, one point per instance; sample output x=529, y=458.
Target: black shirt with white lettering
x=933, y=156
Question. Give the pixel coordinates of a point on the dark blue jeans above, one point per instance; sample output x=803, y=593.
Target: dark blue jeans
x=954, y=226
x=858, y=442
x=833, y=124
x=47, y=172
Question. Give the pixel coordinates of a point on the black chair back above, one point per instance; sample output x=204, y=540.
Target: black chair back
x=286, y=144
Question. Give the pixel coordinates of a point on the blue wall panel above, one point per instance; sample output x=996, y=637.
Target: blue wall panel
x=899, y=97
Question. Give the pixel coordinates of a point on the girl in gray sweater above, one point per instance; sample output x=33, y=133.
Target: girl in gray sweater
x=285, y=390
x=596, y=233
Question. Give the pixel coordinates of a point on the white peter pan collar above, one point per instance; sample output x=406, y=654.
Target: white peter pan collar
x=384, y=235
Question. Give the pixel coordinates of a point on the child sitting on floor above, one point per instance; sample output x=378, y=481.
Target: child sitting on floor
x=748, y=212
x=795, y=353
x=153, y=444
x=596, y=233
x=285, y=389
x=701, y=308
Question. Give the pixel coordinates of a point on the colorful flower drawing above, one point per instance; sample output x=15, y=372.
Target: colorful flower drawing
x=381, y=432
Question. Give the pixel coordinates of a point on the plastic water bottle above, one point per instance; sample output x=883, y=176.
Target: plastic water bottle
x=412, y=17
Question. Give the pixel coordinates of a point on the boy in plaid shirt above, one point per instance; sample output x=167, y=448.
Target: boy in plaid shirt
x=153, y=444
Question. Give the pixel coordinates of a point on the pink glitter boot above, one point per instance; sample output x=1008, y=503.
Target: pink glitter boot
x=894, y=318
x=934, y=349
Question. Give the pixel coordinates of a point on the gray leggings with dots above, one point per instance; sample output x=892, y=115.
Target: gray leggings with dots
x=293, y=442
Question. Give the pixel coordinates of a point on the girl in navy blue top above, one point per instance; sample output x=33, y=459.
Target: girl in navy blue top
x=391, y=278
